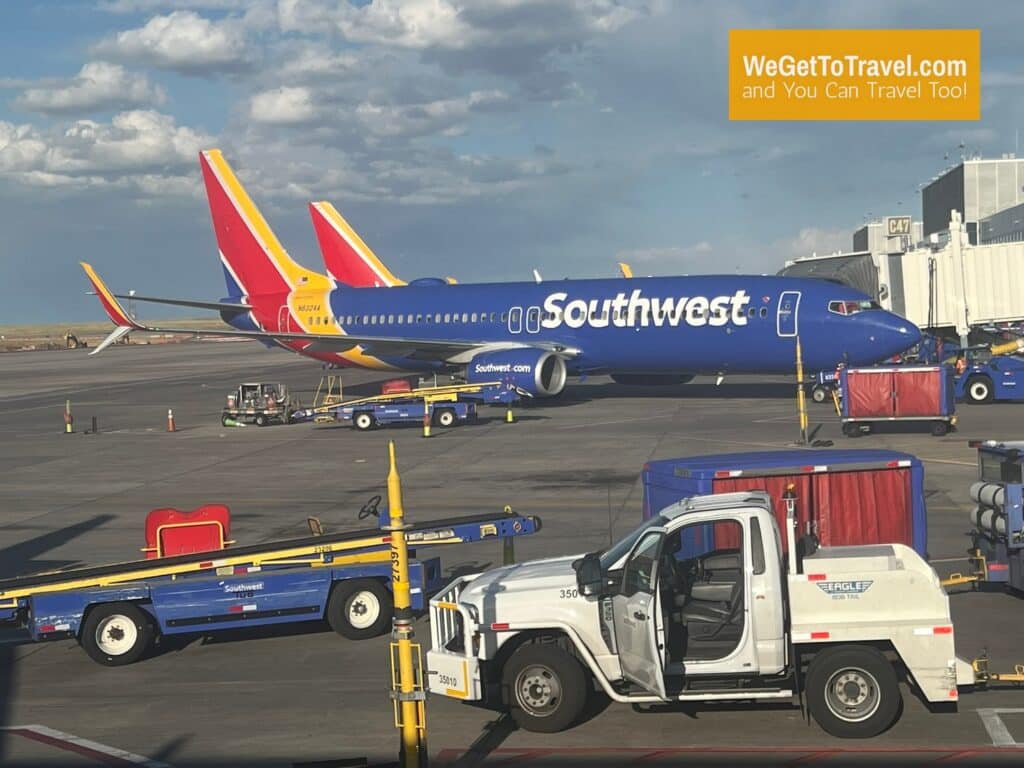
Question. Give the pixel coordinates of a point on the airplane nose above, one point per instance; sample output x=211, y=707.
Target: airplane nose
x=897, y=334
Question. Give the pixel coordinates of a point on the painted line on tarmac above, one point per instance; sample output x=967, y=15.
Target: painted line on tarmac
x=619, y=421
x=69, y=743
x=771, y=754
x=997, y=730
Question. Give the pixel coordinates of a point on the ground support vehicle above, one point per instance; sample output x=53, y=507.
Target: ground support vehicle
x=823, y=385
x=732, y=623
x=898, y=393
x=997, y=378
x=854, y=496
x=996, y=554
x=445, y=406
x=258, y=404
x=116, y=611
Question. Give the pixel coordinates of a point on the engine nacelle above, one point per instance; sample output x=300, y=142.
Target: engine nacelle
x=652, y=379
x=540, y=373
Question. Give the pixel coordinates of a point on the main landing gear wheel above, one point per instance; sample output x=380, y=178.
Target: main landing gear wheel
x=852, y=692
x=116, y=634
x=979, y=390
x=360, y=609
x=547, y=688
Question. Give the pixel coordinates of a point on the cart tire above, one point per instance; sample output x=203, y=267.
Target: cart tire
x=979, y=390
x=115, y=634
x=444, y=417
x=939, y=428
x=853, y=692
x=819, y=394
x=360, y=609
x=547, y=688
x=851, y=430
x=363, y=421
x=261, y=420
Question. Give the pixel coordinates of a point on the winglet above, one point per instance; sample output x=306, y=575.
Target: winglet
x=110, y=304
x=348, y=259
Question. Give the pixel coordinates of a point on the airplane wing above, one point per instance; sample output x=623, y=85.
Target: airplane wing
x=214, y=305
x=448, y=350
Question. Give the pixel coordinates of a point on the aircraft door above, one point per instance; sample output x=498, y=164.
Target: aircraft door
x=786, y=319
x=284, y=319
x=515, y=320
x=533, y=320
x=636, y=608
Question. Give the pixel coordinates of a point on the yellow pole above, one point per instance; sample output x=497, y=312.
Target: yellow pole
x=411, y=752
x=68, y=419
x=801, y=400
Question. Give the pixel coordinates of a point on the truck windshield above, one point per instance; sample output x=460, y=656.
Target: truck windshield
x=615, y=552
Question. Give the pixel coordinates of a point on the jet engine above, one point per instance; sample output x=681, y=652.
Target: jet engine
x=538, y=372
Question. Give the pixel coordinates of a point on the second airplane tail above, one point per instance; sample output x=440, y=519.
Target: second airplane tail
x=348, y=259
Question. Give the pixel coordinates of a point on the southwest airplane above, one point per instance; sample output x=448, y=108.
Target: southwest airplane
x=640, y=330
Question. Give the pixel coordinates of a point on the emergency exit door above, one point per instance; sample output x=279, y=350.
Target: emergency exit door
x=786, y=317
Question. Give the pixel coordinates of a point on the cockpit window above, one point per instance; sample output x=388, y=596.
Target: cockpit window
x=851, y=306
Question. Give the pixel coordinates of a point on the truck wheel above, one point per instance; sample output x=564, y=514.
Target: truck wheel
x=939, y=428
x=115, y=634
x=819, y=394
x=547, y=688
x=979, y=390
x=445, y=417
x=261, y=420
x=852, y=692
x=360, y=609
x=363, y=421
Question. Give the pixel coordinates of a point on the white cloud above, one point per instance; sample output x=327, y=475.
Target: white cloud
x=442, y=116
x=680, y=256
x=182, y=41
x=283, y=106
x=99, y=86
x=811, y=240
x=141, y=148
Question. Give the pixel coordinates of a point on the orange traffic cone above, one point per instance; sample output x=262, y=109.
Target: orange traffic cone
x=170, y=420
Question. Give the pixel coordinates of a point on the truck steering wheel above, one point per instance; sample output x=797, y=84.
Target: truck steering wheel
x=370, y=507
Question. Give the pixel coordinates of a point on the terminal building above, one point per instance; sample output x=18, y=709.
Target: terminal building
x=957, y=270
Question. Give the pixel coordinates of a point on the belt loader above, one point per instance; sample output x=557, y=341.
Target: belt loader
x=734, y=622
x=116, y=611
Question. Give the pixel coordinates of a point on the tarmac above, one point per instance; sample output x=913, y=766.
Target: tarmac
x=308, y=696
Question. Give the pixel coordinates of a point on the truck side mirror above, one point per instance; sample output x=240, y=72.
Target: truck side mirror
x=589, y=579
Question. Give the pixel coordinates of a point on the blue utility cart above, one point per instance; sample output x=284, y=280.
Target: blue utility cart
x=996, y=378
x=116, y=611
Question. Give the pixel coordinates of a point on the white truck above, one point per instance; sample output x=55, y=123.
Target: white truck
x=698, y=604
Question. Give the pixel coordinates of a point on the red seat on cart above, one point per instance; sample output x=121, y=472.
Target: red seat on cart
x=172, y=532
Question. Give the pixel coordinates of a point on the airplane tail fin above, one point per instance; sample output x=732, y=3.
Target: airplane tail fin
x=124, y=322
x=348, y=259
x=254, y=260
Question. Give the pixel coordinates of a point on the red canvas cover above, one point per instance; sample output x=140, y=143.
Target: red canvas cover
x=869, y=394
x=918, y=392
x=775, y=486
x=867, y=507
x=860, y=507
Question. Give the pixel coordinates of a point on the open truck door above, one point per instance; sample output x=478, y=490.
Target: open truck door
x=638, y=624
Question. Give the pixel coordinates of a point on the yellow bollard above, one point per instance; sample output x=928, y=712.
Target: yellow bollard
x=408, y=695
x=69, y=420
x=508, y=415
x=426, y=420
x=801, y=398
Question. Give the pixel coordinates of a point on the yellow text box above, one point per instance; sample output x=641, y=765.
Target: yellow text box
x=854, y=74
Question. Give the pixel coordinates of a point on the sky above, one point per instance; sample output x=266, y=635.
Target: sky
x=458, y=137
